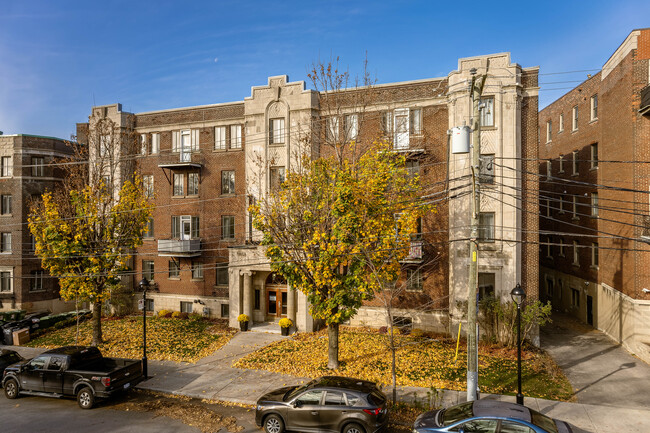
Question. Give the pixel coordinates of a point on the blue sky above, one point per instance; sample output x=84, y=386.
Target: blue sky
x=58, y=58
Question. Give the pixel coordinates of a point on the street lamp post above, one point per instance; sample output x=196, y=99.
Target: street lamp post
x=144, y=284
x=518, y=295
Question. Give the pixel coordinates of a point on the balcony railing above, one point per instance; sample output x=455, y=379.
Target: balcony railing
x=179, y=248
x=180, y=160
x=415, y=252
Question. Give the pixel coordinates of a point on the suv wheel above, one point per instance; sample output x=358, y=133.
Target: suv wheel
x=11, y=389
x=353, y=428
x=85, y=398
x=273, y=424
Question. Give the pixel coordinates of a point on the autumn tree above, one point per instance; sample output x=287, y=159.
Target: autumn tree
x=318, y=225
x=86, y=230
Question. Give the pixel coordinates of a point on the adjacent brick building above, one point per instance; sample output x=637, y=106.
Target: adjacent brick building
x=26, y=173
x=594, y=205
x=205, y=164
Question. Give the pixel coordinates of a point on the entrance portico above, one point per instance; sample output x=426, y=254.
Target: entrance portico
x=261, y=294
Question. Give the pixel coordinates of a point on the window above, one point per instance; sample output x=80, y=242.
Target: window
x=227, y=182
x=257, y=300
x=192, y=184
x=413, y=167
x=594, y=155
x=387, y=123
x=276, y=177
x=548, y=131
x=148, y=270
x=176, y=227
x=5, y=281
x=514, y=427
x=548, y=208
x=415, y=121
x=351, y=126
x=594, y=107
x=5, y=243
x=276, y=131
x=561, y=247
x=147, y=185
x=197, y=270
x=561, y=170
x=418, y=230
x=486, y=169
x=575, y=162
x=107, y=182
x=413, y=279
x=194, y=222
x=549, y=247
x=174, y=269
x=561, y=204
x=310, y=398
x=143, y=144
x=334, y=398
x=222, y=274
x=225, y=310
x=576, y=256
x=479, y=426
x=332, y=125
x=575, y=297
x=487, y=113
x=486, y=227
x=594, y=254
x=149, y=229
x=5, y=206
x=235, y=136
x=486, y=285
x=186, y=307
x=149, y=305
x=594, y=204
x=104, y=145
x=36, y=281
x=37, y=166
x=6, y=167
x=561, y=128
x=220, y=138
x=575, y=118
x=549, y=167
x=178, y=184
x=155, y=143
x=227, y=227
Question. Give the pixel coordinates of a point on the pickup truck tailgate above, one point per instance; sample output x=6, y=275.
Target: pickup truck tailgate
x=131, y=373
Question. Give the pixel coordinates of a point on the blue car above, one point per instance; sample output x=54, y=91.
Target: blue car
x=488, y=416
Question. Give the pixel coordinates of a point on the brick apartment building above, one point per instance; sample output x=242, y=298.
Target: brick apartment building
x=25, y=173
x=594, y=185
x=204, y=165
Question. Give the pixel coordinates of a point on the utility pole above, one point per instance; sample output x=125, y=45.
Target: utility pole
x=476, y=91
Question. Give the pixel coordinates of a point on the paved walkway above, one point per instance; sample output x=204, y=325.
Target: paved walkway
x=215, y=378
x=601, y=371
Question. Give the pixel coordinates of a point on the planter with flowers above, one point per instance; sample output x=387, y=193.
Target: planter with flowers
x=285, y=325
x=243, y=322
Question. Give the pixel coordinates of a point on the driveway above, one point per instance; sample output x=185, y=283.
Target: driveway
x=601, y=371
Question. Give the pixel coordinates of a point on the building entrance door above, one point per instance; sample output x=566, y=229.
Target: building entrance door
x=276, y=302
x=590, y=310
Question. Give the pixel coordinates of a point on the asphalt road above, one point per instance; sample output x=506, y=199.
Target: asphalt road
x=29, y=414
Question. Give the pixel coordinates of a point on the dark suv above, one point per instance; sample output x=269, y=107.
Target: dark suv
x=328, y=404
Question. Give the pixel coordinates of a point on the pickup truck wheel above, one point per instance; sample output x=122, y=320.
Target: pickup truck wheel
x=11, y=389
x=273, y=424
x=85, y=398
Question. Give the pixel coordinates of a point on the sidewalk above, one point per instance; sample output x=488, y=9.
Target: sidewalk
x=214, y=378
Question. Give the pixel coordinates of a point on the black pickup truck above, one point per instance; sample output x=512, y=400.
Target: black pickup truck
x=72, y=371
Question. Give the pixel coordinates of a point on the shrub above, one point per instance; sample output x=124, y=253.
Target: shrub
x=242, y=318
x=183, y=315
x=383, y=330
x=176, y=314
x=285, y=323
x=417, y=333
x=162, y=313
x=195, y=317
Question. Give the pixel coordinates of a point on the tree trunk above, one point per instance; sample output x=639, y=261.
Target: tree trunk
x=97, y=324
x=394, y=363
x=333, y=346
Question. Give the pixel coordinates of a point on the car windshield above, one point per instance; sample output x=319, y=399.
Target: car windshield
x=457, y=413
x=543, y=421
x=294, y=392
